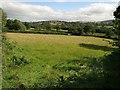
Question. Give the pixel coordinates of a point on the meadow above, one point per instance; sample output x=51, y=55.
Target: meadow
x=48, y=61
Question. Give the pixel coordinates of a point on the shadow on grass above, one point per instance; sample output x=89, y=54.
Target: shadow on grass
x=91, y=72
x=111, y=66
x=86, y=73
x=97, y=47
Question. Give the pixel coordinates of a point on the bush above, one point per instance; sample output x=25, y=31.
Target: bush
x=7, y=46
x=15, y=60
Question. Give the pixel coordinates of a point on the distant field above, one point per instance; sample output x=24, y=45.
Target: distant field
x=55, y=59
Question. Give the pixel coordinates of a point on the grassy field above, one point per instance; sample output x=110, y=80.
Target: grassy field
x=54, y=61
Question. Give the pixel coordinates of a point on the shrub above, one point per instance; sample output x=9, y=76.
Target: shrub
x=15, y=60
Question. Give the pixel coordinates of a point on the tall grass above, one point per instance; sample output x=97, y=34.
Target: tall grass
x=48, y=61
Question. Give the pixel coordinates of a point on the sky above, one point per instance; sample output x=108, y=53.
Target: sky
x=63, y=10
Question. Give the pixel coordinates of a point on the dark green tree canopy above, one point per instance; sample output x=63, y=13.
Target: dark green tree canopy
x=10, y=24
x=87, y=28
x=18, y=25
x=15, y=25
x=27, y=24
x=117, y=23
x=117, y=12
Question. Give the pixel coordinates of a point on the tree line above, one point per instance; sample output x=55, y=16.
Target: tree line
x=73, y=28
x=105, y=28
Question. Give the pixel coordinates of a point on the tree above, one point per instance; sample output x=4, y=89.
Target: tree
x=109, y=32
x=57, y=27
x=80, y=30
x=117, y=24
x=10, y=24
x=15, y=25
x=18, y=25
x=87, y=29
x=73, y=30
x=93, y=28
x=37, y=26
x=27, y=24
x=48, y=26
x=117, y=13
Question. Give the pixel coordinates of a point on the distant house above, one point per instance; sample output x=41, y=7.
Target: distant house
x=32, y=28
x=69, y=34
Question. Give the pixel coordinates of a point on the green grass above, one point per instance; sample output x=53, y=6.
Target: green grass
x=54, y=61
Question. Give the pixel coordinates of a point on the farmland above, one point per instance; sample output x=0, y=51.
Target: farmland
x=54, y=61
x=49, y=47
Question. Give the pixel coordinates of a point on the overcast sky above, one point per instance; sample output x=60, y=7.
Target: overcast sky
x=65, y=10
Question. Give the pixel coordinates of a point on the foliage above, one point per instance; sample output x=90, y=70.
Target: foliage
x=57, y=27
x=117, y=12
x=110, y=65
x=27, y=24
x=10, y=24
x=3, y=19
x=55, y=62
x=65, y=28
x=60, y=61
x=87, y=29
x=17, y=61
x=18, y=25
x=12, y=61
x=117, y=23
x=15, y=25
x=77, y=31
x=8, y=47
x=109, y=32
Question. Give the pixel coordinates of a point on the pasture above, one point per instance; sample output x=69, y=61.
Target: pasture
x=55, y=61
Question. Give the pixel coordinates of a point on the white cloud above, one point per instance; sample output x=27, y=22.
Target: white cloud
x=29, y=12
x=86, y=0
x=98, y=11
x=66, y=0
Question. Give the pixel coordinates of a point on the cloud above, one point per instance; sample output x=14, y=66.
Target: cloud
x=29, y=12
x=98, y=11
x=86, y=0
x=63, y=0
